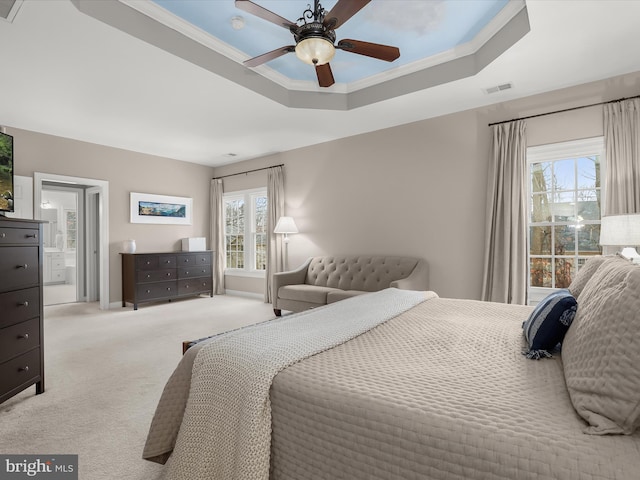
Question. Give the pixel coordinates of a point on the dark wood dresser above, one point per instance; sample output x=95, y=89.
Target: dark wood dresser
x=21, y=311
x=149, y=277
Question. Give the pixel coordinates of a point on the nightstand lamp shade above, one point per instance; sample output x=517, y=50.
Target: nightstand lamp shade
x=286, y=225
x=622, y=231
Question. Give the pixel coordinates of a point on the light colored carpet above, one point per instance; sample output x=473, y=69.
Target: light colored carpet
x=105, y=371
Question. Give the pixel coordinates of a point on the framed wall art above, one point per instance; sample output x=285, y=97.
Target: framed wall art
x=149, y=208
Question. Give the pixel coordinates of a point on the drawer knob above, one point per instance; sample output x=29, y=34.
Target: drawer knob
x=168, y=274
x=3, y=235
x=148, y=262
x=24, y=369
x=23, y=304
x=148, y=276
x=32, y=235
x=168, y=289
x=23, y=337
x=186, y=286
x=187, y=272
x=148, y=291
x=25, y=266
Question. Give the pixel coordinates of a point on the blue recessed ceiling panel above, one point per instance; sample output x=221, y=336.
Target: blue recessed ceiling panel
x=455, y=37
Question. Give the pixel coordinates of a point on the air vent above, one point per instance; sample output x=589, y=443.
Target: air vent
x=9, y=9
x=499, y=88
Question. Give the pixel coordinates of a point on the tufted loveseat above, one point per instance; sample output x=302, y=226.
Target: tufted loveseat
x=323, y=280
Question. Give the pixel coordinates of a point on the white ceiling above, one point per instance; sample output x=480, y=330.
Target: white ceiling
x=65, y=73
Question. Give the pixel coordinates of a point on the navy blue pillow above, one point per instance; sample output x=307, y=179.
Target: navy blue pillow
x=548, y=323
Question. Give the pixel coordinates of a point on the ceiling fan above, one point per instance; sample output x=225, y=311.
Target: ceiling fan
x=314, y=34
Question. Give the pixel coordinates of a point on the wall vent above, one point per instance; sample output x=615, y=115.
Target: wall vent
x=498, y=88
x=9, y=9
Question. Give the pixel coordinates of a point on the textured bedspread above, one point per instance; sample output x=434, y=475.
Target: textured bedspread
x=440, y=392
x=222, y=428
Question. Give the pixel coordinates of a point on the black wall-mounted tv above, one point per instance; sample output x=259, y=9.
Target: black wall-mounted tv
x=6, y=173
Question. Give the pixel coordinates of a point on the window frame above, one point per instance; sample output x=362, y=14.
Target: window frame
x=248, y=196
x=554, y=152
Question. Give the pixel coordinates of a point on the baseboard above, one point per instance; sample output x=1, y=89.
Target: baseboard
x=241, y=293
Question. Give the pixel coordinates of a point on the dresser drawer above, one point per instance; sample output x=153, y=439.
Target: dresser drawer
x=19, y=306
x=20, y=338
x=19, y=268
x=145, y=276
x=156, y=290
x=195, y=271
x=23, y=236
x=194, y=285
x=147, y=262
x=20, y=370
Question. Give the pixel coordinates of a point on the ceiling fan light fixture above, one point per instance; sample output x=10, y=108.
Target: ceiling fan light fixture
x=315, y=50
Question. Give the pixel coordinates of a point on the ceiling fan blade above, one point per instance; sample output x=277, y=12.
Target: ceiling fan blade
x=374, y=50
x=343, y=11
x=265, y=14
x=266, y=57
x=325, y=76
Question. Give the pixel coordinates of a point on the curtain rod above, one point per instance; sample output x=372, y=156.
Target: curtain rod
x=248, y=171
x=561, y=111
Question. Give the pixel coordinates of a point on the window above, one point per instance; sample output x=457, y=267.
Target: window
x=246, y=232
x=565, y=204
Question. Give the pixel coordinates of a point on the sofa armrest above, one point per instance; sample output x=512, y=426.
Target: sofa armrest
x=417, y=280
x=292, y=277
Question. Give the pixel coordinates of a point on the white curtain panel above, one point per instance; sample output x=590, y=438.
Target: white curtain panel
x=505, y=260
x=217, y=235
x=275, y=209
x=622, y=150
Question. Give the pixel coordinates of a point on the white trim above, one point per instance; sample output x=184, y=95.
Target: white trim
x=241, y=293
x=103, y=213
x=239, y=272
x=571, y=149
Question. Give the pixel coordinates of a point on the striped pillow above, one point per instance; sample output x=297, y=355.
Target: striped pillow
x=548, y=323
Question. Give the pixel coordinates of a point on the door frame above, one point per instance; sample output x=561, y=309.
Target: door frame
x=103, y=221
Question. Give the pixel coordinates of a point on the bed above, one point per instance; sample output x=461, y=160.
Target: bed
x=408, y=385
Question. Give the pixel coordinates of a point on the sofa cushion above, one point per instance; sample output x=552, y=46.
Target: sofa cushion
x=548, y=323
x=600, y=352
x=584, y=274
x=305, y=293
x=363, y=273
x=337, y=295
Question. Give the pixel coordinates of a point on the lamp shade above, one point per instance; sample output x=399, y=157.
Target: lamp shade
x=315, y=50
x=620, y=230
x=285, y=225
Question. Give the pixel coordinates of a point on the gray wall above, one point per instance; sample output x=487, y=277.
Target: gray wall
x=417, y=189
x=126, y=172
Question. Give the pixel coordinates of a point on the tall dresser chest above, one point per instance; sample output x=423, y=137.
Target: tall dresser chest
x=21, y=311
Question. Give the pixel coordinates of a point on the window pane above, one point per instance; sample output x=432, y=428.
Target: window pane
x=589, y=239
x=589, y=172
x=589, y=204
x=540, y=240
x=540, y=208
x=564, y=207
x=540, y=177
x=261, y=252
x=540, y=270
x=261, y=214
x=565, y=240
x=564, y=272
x=564, y=174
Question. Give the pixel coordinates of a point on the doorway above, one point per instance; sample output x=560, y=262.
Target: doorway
x=76, y=257
x=62, y=208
